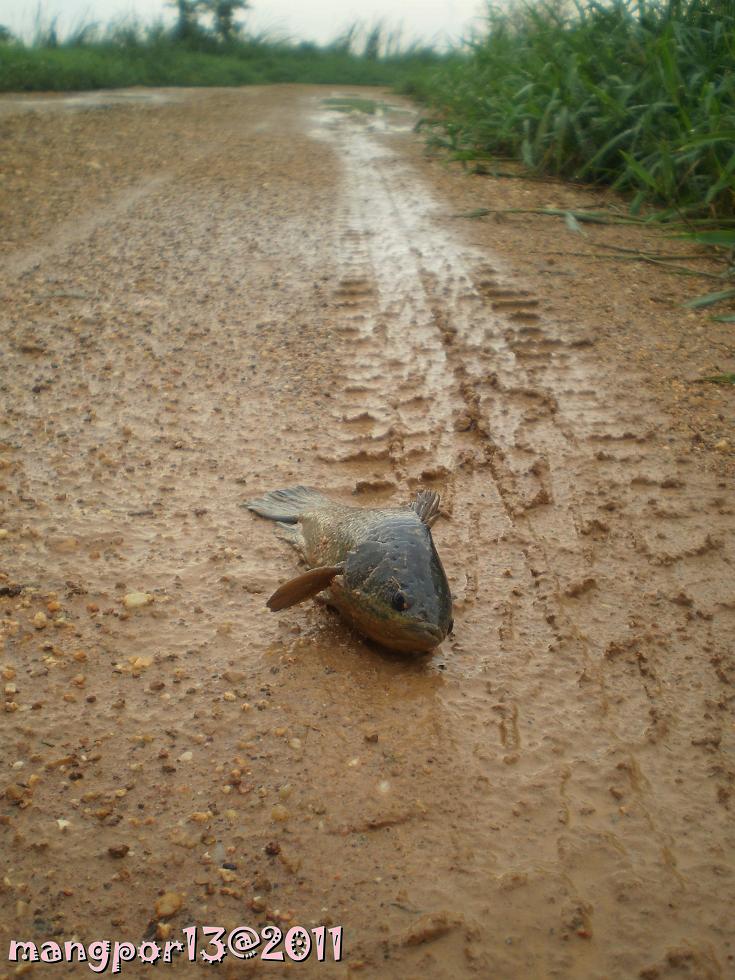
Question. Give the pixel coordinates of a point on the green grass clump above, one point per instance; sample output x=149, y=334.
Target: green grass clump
x=719, y=379
x=639, y=94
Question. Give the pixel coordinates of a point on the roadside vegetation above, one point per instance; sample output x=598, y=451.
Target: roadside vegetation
x=637, y=94
x=206, y=46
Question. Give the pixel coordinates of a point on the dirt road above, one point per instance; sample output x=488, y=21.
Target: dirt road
x=230, y=292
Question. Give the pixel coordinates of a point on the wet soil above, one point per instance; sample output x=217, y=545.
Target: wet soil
x=240, y=290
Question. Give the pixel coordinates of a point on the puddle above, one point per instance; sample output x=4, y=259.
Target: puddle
x=78, y=101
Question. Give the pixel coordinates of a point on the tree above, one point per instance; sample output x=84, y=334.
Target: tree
x=186, y=25
x=224, y=13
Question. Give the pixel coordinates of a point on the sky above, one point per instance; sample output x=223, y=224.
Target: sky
x=312, y=20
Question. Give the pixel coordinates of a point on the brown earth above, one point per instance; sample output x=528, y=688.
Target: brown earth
x=233, y=291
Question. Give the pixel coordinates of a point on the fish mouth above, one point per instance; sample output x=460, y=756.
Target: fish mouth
x=414, y=637
x=427, y=629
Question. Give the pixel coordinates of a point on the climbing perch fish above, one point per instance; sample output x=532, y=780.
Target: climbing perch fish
x=379, y=566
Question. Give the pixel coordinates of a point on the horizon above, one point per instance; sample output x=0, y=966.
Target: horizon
x=437, y=22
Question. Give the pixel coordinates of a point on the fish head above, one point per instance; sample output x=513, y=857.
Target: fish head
x=395, y=590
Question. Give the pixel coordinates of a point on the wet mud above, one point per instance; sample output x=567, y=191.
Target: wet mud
x=248, y=292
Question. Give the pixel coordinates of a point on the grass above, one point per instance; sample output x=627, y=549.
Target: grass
x=639, y=94
x=719, y=379
x=130, y=55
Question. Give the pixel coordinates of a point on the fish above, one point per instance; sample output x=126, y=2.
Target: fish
x=378, y=566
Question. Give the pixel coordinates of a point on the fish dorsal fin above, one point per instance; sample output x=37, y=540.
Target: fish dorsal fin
x=426, y=506
x=303, y=587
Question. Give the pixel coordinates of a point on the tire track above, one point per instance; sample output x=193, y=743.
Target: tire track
x=497, y=401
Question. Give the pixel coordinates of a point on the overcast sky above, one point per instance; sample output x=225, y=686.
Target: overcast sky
x=318, y=20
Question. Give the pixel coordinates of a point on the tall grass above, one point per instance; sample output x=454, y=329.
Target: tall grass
x=639, y=94
x=133, y=54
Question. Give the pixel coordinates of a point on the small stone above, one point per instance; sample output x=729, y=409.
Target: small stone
x=14, y=793
x=119, y=851
x=168, y=904
x=272, y=848
x=40, y=621
x=290, y=861
x=136, y=600
x=279, y=813
x=723, y=446
x=201, y=816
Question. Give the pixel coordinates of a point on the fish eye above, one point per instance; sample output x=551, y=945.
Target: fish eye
x=400, y=601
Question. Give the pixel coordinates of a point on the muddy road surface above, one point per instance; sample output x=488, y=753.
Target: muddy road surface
x=213, y=296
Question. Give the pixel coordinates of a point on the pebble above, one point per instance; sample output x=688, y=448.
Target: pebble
x=279, y=813
x=40, y=621
x=136, y=600
x=168, y=904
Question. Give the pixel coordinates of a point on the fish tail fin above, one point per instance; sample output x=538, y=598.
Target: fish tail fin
x=287, y=505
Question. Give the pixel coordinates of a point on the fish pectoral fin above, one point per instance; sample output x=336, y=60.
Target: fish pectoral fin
x=303, y=587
